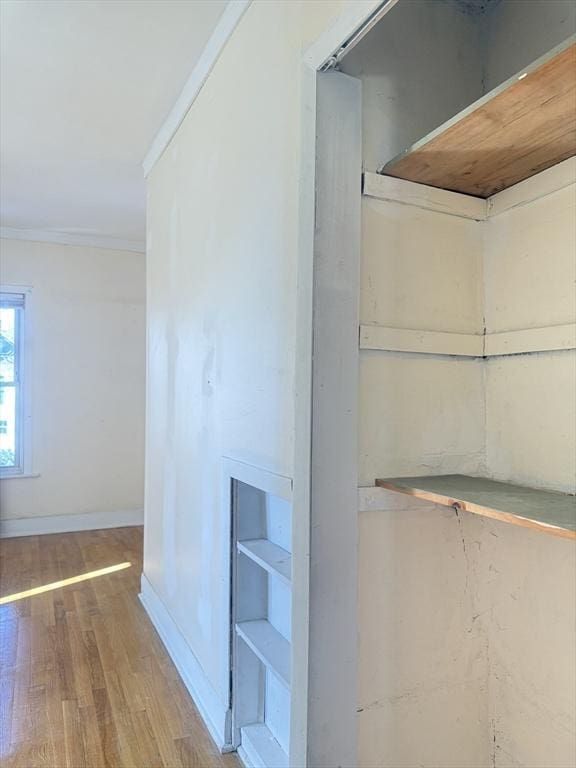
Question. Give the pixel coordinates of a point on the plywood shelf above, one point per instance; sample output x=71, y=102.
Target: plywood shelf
x=522, y=127
x=267, y=643
x=269, y=556
x=546, y=511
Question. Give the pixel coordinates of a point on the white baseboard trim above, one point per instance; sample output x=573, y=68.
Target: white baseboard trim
x=88, y=521
x=215, y=713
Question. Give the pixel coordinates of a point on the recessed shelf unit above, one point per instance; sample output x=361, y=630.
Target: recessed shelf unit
x=261, y=619
x=520, y=128
x=545, y=511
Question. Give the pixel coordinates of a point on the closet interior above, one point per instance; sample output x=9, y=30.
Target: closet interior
x=467, y=385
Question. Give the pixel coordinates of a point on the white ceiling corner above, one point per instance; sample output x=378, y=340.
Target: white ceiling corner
x=84, y=89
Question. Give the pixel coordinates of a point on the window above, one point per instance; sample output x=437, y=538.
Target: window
x=14, y=442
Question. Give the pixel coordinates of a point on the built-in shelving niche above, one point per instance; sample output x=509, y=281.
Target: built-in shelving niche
x=261, y=524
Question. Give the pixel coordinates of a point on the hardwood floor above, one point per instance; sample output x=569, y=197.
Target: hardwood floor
x=85, y=681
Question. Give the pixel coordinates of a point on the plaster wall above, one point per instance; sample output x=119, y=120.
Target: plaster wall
x=526, y=585
x=87, y=379
x=420, y=414
x=467, y=634
x=423, y=674
x=466, y=625
x=223, y=223
x=530, y=274
x=423, y=671
x=515, y=33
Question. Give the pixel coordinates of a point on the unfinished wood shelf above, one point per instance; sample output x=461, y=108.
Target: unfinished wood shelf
x=522, y=127
x=547, y=511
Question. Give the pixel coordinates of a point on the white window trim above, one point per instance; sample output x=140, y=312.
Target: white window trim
x=25, y=405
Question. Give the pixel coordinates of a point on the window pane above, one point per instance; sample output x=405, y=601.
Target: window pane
x=7, y=343
x=7, y=426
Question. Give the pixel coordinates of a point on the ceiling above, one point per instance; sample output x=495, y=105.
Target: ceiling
x=84, y=88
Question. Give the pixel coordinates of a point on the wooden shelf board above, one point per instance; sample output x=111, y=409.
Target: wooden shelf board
x=261, y=747
x=546, y=511
x=522, y=127
x=267, y=643
x=269, y=556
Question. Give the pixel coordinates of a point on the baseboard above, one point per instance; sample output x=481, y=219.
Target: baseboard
x=89, y=521
x=214, y=712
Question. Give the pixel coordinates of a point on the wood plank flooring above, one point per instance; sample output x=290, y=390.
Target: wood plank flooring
x=85, y=681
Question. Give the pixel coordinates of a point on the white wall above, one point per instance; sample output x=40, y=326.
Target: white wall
x=516, y=32
x=529, y=581
x=419, y=67
x=223, y=208
x=526, y=585
x=467, y=626
x=467, y=635
x=420, y=414
x=88, y=339
x=530, y=274
x=423, y=673
x=423, y=670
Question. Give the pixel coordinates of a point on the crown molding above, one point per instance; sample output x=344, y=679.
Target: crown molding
x=208, y=58
x=66, y=238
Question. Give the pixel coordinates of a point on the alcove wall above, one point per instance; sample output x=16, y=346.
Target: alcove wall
x=466, y=625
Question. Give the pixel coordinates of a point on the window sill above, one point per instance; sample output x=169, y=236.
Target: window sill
x=19, y=475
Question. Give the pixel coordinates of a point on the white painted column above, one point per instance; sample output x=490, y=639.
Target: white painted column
x=332, y=739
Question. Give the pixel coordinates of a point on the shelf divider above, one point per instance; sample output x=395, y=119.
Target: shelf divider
x=269, y=556
x=267, y=643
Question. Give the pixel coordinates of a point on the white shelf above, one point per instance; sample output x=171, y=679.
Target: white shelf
x=269, y=556
x=267, y=643
x=261, y=748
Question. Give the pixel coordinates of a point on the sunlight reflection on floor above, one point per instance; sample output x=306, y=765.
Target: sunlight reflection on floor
x=63, y=583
